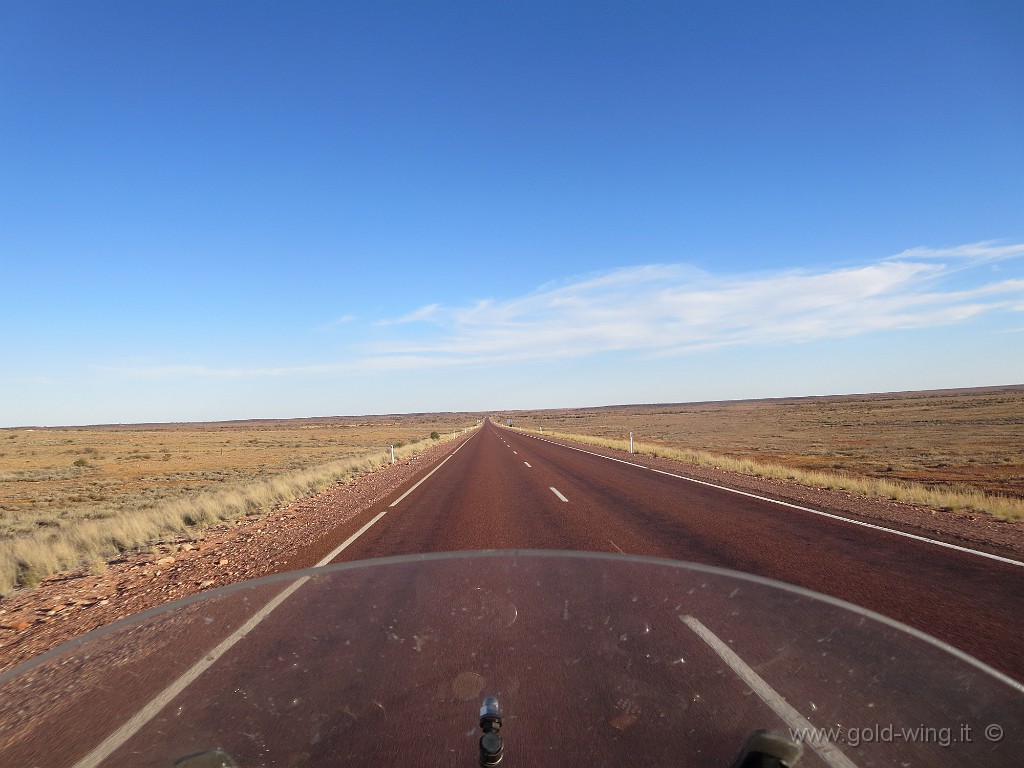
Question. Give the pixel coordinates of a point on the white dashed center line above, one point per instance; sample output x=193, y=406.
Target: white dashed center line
x=795, y=506
x=555, y=491
x=527, y=464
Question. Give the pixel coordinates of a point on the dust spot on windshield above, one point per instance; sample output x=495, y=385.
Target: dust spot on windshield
x=467, y=685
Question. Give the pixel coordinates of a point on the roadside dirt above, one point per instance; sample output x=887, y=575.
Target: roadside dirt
x=67, y=605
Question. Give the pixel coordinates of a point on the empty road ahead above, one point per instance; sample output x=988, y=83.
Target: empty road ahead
x=507, y=490
x=498, y=489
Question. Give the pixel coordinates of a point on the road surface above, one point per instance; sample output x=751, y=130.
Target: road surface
x=504, y=490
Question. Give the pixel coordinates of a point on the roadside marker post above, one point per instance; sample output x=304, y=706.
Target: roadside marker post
x=630, y=442
x=392, y=453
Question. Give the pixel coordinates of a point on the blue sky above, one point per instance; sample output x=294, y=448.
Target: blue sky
x=214, y=210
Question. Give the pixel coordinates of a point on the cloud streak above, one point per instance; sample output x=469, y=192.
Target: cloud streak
x=671, y=309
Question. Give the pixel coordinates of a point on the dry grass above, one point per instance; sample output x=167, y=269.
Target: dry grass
x=81, y=496
x=956, y=449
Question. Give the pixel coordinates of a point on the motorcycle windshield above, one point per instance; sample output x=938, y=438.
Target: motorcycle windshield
x=595, y=660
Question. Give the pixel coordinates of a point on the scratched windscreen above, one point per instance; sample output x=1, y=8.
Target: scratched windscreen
x=594, y=659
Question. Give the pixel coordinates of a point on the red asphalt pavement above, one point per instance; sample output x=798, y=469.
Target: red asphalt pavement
x=486, y=497
x=503, y=490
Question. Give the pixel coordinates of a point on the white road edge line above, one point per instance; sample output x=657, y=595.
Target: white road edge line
x=350, y=539
x=828, y=751
x=423, y=480
x=852, y=521
x=162, y=699
x=402, y=497
x=893, y=531
x=555, y=491
x=345, y=544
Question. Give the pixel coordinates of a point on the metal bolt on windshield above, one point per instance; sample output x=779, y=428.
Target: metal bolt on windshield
x=492, y=749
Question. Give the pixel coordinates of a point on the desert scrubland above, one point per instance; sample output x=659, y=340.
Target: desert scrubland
x=78, y=496
x=85, y=494
x=106, y=521
x=955, y=449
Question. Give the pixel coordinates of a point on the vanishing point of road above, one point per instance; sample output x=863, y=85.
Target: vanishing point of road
x=507, y=490
x=498, y=489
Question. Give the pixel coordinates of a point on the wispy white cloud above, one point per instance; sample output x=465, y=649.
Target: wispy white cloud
x=669, y=309
x=336, y=323
x=672, y=309
x=986, y=251
x=419, y=315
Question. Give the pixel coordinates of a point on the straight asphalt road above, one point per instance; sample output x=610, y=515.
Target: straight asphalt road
x=508, y=490
x=496, y=490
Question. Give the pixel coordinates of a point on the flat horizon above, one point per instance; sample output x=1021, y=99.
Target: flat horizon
x=504, y=411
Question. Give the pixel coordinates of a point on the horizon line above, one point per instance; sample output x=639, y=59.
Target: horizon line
x=489, y=411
